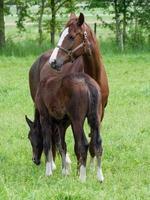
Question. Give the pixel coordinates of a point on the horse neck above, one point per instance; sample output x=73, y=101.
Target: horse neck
x=93, y=63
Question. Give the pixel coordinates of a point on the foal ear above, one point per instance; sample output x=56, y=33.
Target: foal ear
x=80, y=19
x=72, y=16
x=29, y=122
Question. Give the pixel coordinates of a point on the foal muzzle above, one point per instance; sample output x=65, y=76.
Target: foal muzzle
x=36, y=161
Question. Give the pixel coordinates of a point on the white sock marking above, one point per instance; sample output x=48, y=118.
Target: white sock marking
x=55, y=51
x=68, y=160
x=68, y=164
x=92, y=164
x=65, y=172
x=82, y=173
x=100, y=174
x=48, y=169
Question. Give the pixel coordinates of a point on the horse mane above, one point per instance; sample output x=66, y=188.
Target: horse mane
x=94, y=70
x=96, y=51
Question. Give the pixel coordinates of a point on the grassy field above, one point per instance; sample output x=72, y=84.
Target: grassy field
x=125, y=132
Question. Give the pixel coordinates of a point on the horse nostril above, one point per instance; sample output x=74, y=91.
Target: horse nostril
x=53, y=64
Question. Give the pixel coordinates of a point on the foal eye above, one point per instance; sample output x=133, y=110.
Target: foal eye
x=71, y=37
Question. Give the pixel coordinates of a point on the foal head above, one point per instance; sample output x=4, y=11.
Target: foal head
x=36, y=140
x=73, y=42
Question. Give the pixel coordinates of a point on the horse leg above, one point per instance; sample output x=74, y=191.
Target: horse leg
x=47, y=144
x=81, y=147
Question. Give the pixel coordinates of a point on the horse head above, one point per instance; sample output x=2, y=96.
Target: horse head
x=36, y=140
x=73, y=42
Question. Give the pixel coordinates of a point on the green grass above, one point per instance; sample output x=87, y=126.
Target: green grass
x=125, y=133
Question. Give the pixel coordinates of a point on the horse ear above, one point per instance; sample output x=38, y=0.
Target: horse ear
x=72, y=16
x=29, y=122
x=81, y=19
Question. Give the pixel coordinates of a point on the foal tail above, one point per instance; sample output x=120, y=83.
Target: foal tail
x=94, y=103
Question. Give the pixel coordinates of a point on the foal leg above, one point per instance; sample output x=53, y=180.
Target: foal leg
x=66, y=162
x=95, y=149
x=54, y=155
x=81, y=147
x=47, y=144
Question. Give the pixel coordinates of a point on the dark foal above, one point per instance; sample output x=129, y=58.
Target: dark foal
x=36, y=140
x=76, y=96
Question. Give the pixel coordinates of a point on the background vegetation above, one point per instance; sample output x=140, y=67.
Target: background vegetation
x=27, y=30
x=128, y=21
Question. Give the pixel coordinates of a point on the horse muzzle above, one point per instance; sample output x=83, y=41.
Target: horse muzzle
x=56, y=65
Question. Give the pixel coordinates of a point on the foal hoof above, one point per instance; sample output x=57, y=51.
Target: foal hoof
x=68, y=160
x=65, y=172
x=100, y=176
x=48, y=169
x=82, y=176
x=53, y=166
x=82, y=179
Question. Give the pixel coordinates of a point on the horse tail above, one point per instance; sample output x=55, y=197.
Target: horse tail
x=94, y=104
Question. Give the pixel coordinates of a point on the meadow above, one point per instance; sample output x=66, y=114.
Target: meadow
x=125, y=133
x=125, y=128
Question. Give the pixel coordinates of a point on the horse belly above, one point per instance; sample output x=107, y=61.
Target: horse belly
x=57, y=111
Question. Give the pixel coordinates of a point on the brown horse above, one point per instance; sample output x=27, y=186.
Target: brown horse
x=77, y=50
x=81, y=48
x=76, y=96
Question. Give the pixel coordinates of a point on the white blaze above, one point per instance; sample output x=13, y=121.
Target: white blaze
x=55, y=51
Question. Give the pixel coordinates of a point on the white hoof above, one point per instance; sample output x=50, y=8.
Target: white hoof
x=68, y=164
x=100, y=175
x=82, y=176
x=48, y=169
x=68, y=159
x=65, y=172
